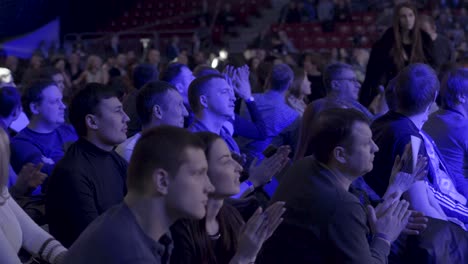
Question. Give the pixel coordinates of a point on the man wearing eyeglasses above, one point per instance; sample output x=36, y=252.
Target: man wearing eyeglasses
x=342, y=90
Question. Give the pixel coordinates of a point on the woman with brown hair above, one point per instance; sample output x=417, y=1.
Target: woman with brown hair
x=402, y=44
x=298, y=91
x=222, y=236
x=17, y=229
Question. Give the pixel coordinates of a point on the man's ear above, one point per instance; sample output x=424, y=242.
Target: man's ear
x=91, y=122
x=204, y=101
x=461, y=98
x=161, y=181
x=179, y=88
x=34, y=107
x=157, y=111
x=334, y=85
x=339, y=154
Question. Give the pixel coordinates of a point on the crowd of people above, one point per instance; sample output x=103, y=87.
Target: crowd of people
x=264, y=159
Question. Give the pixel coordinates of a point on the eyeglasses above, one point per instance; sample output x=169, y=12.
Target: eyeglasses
x=354, y=80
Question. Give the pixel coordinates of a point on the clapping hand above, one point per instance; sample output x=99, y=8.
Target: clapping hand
x=238, y=79
x=256, y=231
x=389, y=218
x=30, y=176
x=400, y=181
x=263, y=173
x=416, y=223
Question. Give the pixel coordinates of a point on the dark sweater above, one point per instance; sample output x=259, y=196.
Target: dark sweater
x=323, y=223
x=381, y=67
x=84, y=184
x=116, y=237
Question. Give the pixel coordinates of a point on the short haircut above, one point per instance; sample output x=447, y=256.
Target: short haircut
x=455, y=83
x=334, y=127
x=334, y=71
x=151, y=94
x=197, y=88
x=172, y=72
x=161, y=147
x=86, y=102
x=281, y=77
x=10, y=99
x=203, y=70
x=33, y=93
x=143, y=74
x=416, y=88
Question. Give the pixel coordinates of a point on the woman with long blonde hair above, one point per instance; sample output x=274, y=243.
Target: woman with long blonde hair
x=17, y=229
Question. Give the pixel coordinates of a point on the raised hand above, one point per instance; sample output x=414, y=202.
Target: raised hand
x=242, y=87
x=229, y=73
x=262, y=173
x=30, y=176
x=238, y=79
x=400, y=181
x=256, y=231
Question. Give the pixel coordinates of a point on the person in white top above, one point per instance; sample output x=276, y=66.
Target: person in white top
x=17, y=229
x=157, y=103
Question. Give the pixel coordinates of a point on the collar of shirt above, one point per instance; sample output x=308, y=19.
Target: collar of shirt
x=90, y=147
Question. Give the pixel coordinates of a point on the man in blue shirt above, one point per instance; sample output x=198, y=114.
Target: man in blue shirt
x=282, y=121
x=45, y=138
x=212, y=101
x=180, y=76
x=449, y=127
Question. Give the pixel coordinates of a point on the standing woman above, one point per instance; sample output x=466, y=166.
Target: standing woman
x=402, y=44
x=222, y=237
x=17, y=229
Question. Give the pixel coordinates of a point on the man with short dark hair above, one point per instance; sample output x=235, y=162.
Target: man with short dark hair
x=157, y=103
x=45, y=138
x=438, y=196
x=91, y=176
x=281, y=121
x=212, y=101
x=342, y=89
x=449, y=127
x=142, y=74
x=165, y=183
x=180, y=76
x=324, y=222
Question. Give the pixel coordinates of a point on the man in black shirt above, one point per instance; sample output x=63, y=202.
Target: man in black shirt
x=167, y=181
x=91, y=176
